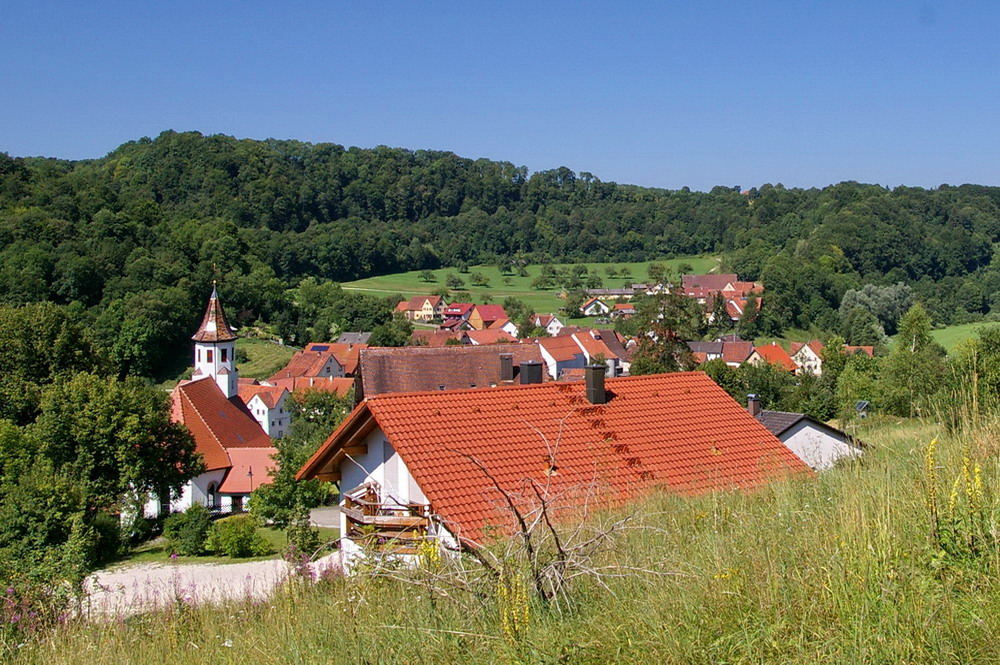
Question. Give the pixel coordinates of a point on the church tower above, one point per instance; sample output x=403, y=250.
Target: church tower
x=215, y=348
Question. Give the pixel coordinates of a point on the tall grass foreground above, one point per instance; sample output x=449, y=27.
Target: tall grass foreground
x=886, y=560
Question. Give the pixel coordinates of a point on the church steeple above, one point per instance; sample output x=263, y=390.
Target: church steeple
x=215, y=348
x=214, y=327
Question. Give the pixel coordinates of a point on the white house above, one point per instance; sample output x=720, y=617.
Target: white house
x=815, y=443
x=808, y=357
x=549, y=322
x=269, y=407
x=237, y=452
x=409, y=475
x=595, y=307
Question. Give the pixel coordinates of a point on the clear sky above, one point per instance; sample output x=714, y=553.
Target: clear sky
x=696, y=92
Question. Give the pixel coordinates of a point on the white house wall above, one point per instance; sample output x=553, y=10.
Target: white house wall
x=817, y=447
x=194, y=491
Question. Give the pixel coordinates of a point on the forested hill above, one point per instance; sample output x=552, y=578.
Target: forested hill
x=159, y=214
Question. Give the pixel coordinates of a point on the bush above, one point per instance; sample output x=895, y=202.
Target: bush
x=187, y=532
x=109, y=537
x=237, y=537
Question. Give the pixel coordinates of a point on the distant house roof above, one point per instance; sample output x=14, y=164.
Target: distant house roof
x=458, y=310
x=216, y=423
x=354, y=338
x=491, y=312
x=773, y=354
x=736, y=352
x=868, y=350
x=707, y=348
x=814, y=345
x=678, y=432
x=214, y=326
x=339, y=385
x=437, y=338
x=543, y=320
x=710, y=282
x=269, y=395
x=413, y=368
x=304, y=363
x=562, y=348
x=489, y=336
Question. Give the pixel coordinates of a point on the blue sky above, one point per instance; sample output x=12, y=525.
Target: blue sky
x=662, y=93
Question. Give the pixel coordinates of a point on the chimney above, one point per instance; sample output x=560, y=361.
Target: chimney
x=506, y=366
x=595, y=383
x=531, y=372
x=753, y=405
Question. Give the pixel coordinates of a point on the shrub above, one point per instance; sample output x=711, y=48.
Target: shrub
x=187, y=532
x=237, y=537
x=109, y=537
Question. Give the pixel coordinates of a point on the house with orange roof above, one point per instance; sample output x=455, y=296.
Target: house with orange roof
x=589, y=443
x=808, y=357
x=505, y=325
x=340, y=386
x=422, y=308
x=772, y=354
x=595, y=307
x=237, y=452
x=561, y=353
x=483, y=316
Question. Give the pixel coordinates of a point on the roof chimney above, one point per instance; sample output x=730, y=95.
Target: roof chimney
x=506, y=366
x=531, y=372
x=753, y=405
x=594, y=375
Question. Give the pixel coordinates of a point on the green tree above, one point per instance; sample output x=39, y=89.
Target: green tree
x=427, y=276
x=914, y=370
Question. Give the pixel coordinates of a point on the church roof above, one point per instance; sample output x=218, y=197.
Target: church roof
x=214, y=327
x=216, y=423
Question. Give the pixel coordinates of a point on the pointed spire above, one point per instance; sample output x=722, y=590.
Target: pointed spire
x=214, y=327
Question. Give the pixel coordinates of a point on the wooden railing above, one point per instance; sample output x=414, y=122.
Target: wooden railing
x=384, y=523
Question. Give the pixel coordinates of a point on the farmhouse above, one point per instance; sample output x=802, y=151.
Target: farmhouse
x=595, y=307
x=422, y=308
x=772, y=354
x=237, y=452
x=439, y=465
x=817, y=444
x=548, y=322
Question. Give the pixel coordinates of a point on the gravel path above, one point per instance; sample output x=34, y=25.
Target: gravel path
x=144, y=587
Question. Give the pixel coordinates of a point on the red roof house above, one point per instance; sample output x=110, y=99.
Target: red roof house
x=679, y=433
x=772, y=354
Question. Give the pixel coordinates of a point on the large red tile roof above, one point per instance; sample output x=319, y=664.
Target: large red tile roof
x=216, y=423
x=680, y=432
x=491, y=312
x=214, y=326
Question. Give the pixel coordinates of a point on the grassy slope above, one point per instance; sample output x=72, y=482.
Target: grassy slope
x=952, y=336
x=409, y=283
x=264, y=357
x=837, y=569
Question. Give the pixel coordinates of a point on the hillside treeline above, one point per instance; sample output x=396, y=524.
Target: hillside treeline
x=149, y=225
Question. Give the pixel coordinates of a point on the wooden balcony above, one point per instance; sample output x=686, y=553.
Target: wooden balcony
x=383, y=523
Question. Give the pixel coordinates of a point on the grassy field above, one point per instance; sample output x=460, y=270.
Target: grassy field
x=833, y=569
x=501, y=286
x=264, y=357
x=952, y=336
x=156, y=551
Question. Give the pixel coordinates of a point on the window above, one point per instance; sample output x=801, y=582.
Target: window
x=238, y=504
x=208, y=356
x=225, y=354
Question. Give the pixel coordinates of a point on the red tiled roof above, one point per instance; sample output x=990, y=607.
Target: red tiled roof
x=489, y=336
x=594, y=346
x=870, y=350
x=775, y=355
x=736, y=352
x=709, y=282
x=815, y=345
x=403, y=306
x=412, y=368
x=250, y=469
x=679, y=432
x=458, y=309
x=491, y=312
x=303, y=363
x=562, y=348
x=270, y=395
x=216, y=423
x=214, y=326
x=338, y=385
x=436, y=338
x=543, y=320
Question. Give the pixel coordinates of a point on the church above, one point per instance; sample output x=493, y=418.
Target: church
x=236, y=449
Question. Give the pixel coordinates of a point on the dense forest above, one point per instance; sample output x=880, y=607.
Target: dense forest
x=132, y=240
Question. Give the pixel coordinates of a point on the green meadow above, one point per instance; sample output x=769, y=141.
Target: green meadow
x=501, y=286
x=847, y=566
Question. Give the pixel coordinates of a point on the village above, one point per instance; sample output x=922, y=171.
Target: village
x=558, y=408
